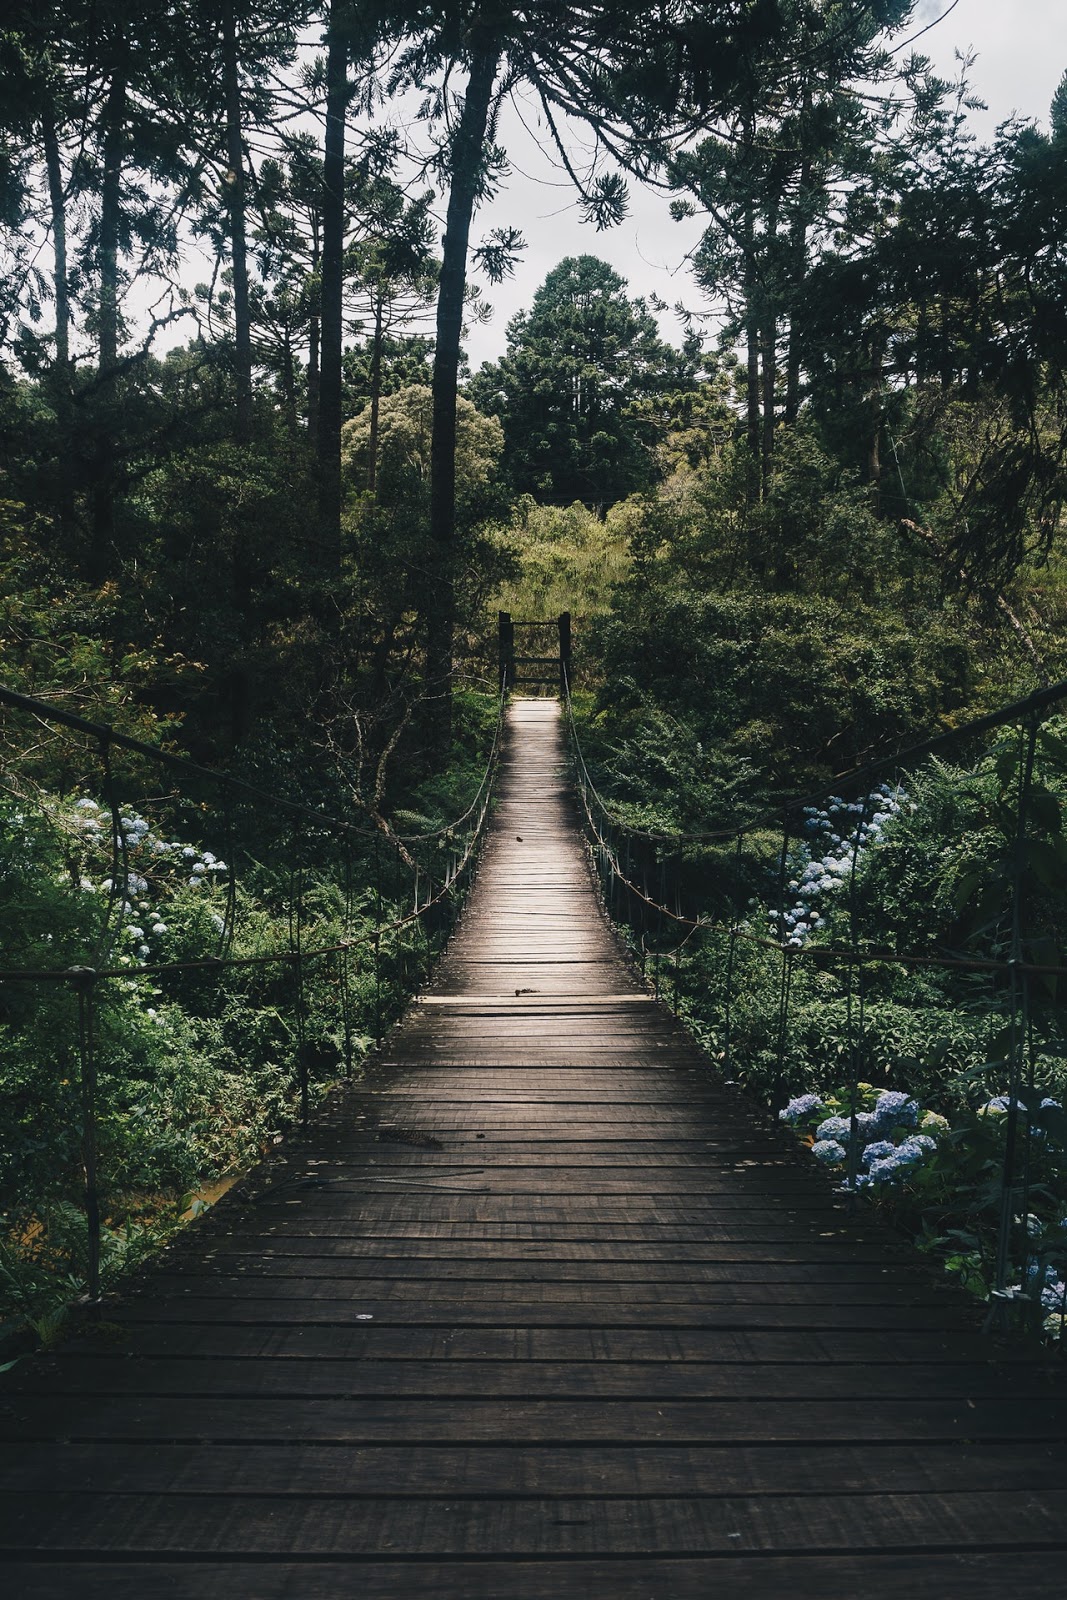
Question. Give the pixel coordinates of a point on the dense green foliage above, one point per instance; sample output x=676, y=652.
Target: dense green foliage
x=903, y=948
x=278, y=548
x=232, y=991
x=571, y=388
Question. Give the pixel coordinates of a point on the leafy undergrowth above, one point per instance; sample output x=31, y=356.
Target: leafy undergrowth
x=940, y=1180
x=208, y=1029
x=933, y=884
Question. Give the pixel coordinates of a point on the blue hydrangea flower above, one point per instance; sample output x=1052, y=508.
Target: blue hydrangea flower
x=1037, y=1268
x=999, y=1105
x=834, y=1128
x=828, y=1151
x=1054, y=1296
x=878, y=1151
x=886, y=1170
x=894, y=1109
x=913, y=1150
x=803, y=1105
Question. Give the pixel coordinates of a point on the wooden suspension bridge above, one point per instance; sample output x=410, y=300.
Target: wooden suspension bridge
x=539, y=1309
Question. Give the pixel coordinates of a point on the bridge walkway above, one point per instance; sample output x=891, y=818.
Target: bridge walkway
x=540, y=1310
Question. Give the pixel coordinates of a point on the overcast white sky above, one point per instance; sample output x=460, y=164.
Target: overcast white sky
x=1021, y=48
x=1022, y=54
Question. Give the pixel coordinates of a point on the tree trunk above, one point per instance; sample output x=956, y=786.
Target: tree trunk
x=375, y=396
x=289, y=383
x=235, y=203
x=947, y=366
x=467, y=154
x=922, y=342
x=102, y=536
x=110, y=202
x=312, y=343
x=874, y=441
x=314, y=330
x=313, y=379
x=333, y=244
x=58, y=203
x=769, y=360
x=60, y=386
x=769, y=349
x=798, y=254
x=752, y=417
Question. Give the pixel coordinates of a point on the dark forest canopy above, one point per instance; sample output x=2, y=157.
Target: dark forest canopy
x=882, y=422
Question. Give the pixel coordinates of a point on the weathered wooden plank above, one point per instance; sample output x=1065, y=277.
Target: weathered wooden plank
x=384, y=1203
x=540, y=1294
x=564, y=1259
x=933, y=1575
x=489, y=1314
x=202, y=1525
x=769, y=1231
x=550, y=1471
x=538, y=1289
x=831, y=1348
x=522, y=1422
x=361, y=1378
x=254, y=1266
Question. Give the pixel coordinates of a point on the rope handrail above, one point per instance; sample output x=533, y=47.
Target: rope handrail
x=79, y=974
x=1015, y=711
x=1015, y=978
x=878, y=954
x=450, y=827
x=107, y=735
x=856, y=954
x=654, y=905
x=84, y=980
x=881, y=955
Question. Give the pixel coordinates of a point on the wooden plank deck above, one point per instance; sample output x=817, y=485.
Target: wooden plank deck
x=540, y=1311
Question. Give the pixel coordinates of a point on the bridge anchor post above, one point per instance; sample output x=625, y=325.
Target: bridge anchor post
x=506, y=650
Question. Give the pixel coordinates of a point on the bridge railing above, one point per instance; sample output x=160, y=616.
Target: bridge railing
x=521, y=669
x=726, y=912
x=358, y=911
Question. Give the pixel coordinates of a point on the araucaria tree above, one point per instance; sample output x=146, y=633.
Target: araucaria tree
x=569, y=390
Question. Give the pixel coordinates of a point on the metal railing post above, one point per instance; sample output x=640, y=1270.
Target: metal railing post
x=84, y=979
x=506, y=650
x=1017, y=1033
x=564, y=625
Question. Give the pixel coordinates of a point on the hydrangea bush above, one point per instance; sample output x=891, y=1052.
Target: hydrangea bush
x=941, y=1176
x=938, y=876
x=893, y=1135
x=836, y=837
x=154, y=869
